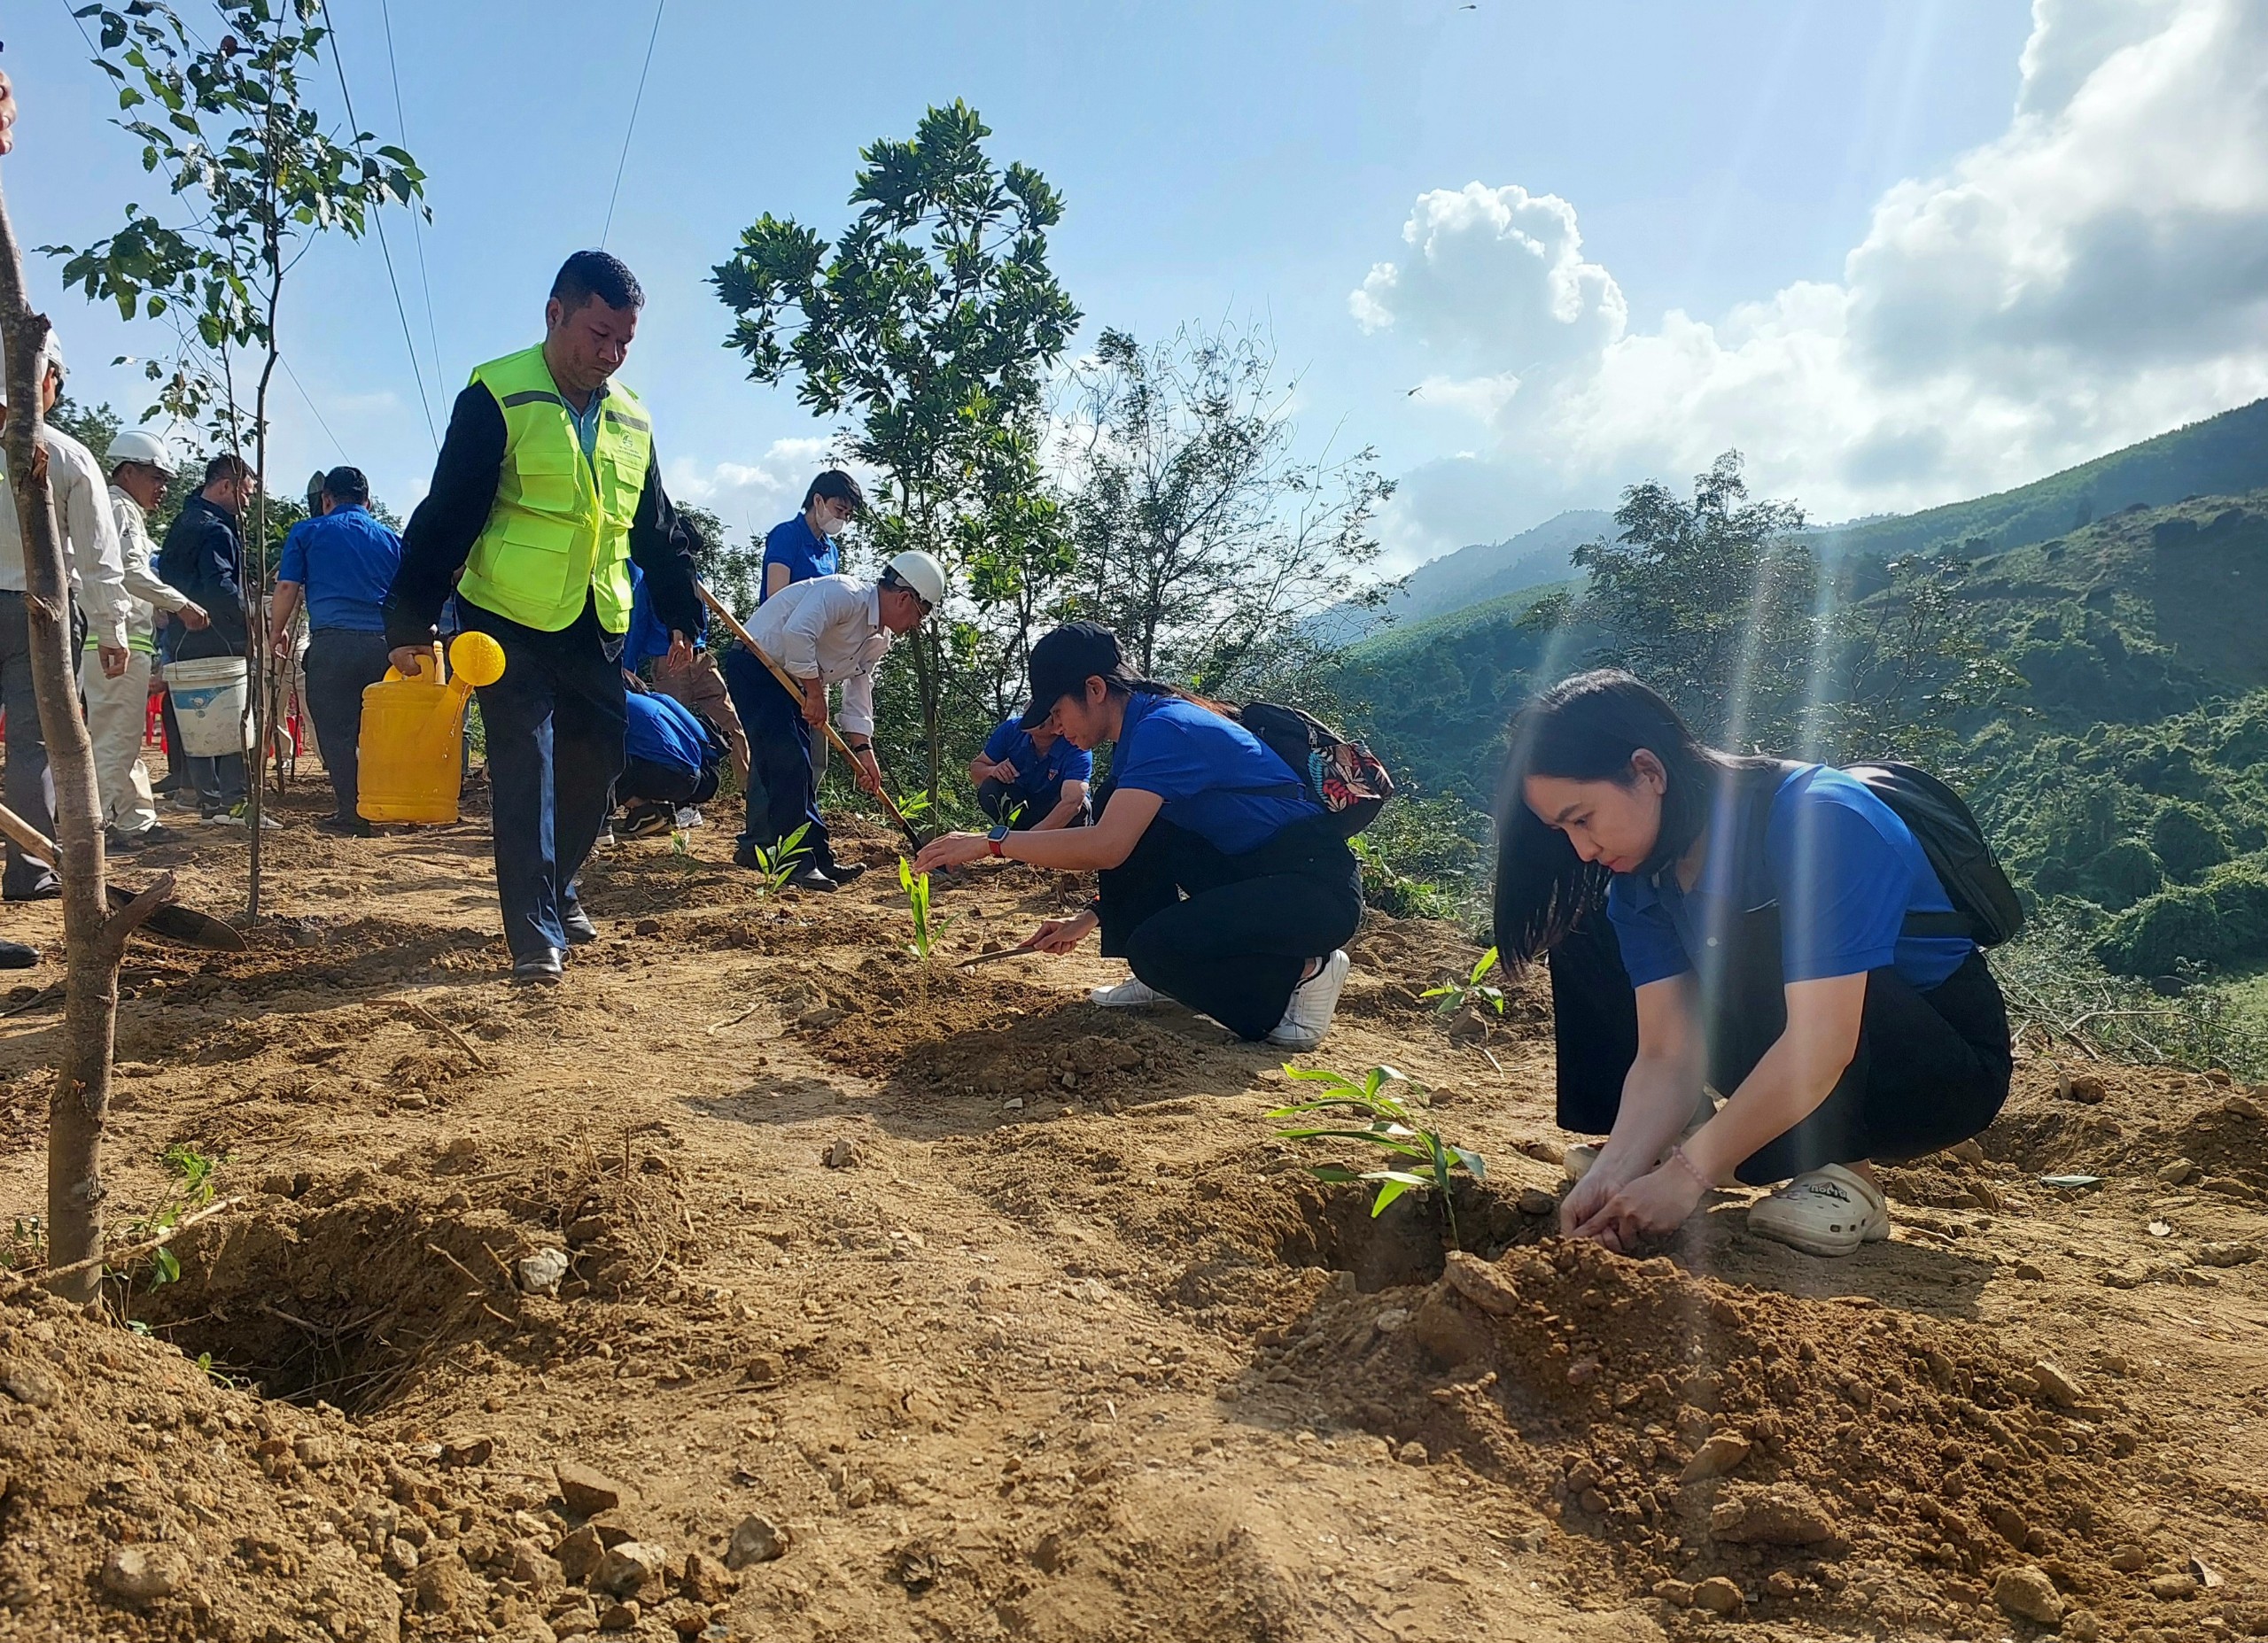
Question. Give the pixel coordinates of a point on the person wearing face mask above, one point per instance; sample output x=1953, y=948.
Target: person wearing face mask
x=797, y=549
x=1775, y=931
x=545, y=490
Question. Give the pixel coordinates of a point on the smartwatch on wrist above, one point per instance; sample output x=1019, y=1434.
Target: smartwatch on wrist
x=992, y=839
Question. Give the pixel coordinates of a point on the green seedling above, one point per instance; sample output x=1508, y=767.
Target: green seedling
x=926, y=924
x=1455, y=995
x=1014, y=813
x=776, y=864
x=1425, y=1161
x=913, y=804
x=192, y=1171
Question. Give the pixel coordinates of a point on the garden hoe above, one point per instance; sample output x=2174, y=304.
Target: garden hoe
x=174, y=922
x=787, y=683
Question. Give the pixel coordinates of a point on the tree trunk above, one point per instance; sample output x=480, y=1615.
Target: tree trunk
x=92, y=943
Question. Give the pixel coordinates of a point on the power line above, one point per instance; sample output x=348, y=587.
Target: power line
x=659, y=7
x=309, y=400
x=378, y=220
x=416, y=218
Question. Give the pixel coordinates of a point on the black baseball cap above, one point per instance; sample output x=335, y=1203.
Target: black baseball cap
x=1064, y=660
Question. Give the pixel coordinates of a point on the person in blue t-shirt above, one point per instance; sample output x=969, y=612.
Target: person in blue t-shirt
x=1033, y=779
x=695, y=682
x=1222, y=881
x=339, y=564
x=797, y=549
x=1771, y=932
x=670, y=758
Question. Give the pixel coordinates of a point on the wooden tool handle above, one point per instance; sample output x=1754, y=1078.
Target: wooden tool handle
x=789, y=683
x=28, y=838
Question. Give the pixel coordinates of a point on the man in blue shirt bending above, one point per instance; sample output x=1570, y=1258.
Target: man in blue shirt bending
x=1033, y=779
x=340, y=564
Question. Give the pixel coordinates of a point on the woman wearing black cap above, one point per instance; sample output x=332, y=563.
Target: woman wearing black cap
x=1222, y=882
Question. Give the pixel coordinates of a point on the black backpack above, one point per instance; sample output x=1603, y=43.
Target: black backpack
x=1342, y=776
x=1985, y=908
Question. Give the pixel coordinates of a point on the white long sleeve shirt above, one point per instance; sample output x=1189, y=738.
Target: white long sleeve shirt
x=829, y=629
x=145, y=595
x=90, y=550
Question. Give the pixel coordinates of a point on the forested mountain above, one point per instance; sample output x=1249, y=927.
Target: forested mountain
x=1472, y=575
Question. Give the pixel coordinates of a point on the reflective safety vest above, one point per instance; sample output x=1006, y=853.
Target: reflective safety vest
x=559, y=530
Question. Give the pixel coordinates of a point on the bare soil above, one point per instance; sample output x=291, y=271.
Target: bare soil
x=1014, y=1319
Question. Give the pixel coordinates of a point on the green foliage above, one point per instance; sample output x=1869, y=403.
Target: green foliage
x=932, y=322
x=776, y=864
x=1202, y=538
x=190, y=1189
x=1426, y=858
x=926, y=924
x=2061, y=997
x=1393, y=1127
x=1455, y=994
x=94, y=426
x=2188, y=839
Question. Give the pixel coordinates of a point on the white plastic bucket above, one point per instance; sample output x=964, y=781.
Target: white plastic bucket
x=211, y=705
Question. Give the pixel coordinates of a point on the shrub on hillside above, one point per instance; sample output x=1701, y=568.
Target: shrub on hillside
x=2121, y=876
x=2220, y=923
x=2188, y=839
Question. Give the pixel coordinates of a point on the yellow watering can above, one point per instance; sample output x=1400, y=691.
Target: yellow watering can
x=412, y=746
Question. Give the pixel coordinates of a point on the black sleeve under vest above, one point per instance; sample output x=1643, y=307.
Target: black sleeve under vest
x=660, y=542
x=443, y=526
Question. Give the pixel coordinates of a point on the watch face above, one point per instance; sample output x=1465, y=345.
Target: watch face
x=999, y=833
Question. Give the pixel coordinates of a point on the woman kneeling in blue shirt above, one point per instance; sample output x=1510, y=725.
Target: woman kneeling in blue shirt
x=1772, y=931
x=1223, y=884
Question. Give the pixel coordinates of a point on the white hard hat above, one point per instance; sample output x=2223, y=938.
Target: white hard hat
x=921, y=573
x=54, y=356
x=136, y=446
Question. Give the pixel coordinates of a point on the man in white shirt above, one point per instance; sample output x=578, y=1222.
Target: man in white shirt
x=823, y=630
x=141, y=467
x=97, y=574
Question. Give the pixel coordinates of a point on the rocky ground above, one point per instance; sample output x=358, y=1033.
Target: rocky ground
x=764, y=1281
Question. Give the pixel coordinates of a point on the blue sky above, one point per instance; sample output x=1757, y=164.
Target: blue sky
x=1677, y=214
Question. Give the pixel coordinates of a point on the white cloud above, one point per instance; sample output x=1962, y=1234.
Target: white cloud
x=2096, y=273
x=751, y=496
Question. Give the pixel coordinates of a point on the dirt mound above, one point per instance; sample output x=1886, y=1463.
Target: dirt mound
x=1829, y=1459
x=2120, y=1120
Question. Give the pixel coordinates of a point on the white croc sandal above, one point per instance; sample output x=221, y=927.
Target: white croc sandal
x=1826, y=1212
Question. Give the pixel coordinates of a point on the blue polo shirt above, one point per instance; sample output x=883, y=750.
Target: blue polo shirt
x=1218, y=780
x=647, y=637
x=1843, y=868
x=1037, y=771
x=345, y=561
x=662, y=732
x=806, y=554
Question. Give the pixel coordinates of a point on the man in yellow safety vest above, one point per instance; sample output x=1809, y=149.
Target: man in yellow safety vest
x=545, y=490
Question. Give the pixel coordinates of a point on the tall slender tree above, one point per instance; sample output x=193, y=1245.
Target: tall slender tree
x=256, y=171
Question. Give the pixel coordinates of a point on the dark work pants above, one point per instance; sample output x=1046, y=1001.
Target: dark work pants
x=994, y=798
x=341, y=664
x=1932, y=1067
x=1232, y=949
x=782, y=788
x=554, y=722
x=27, y=786
x=659, y=784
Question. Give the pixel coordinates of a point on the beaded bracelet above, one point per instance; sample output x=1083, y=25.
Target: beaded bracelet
x=1677, y=1154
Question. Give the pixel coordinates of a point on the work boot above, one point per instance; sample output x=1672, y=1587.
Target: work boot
x=346, y=826
x=844, y=873
x=577, y=922
x=810, y=878
x=540, y=969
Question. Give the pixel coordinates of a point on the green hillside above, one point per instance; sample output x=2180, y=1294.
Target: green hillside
x=2224, y=455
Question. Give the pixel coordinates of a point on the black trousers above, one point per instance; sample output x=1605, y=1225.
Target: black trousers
x=994, y=797
x=1228, y=935
x=783, y=786
x=661, y=784
x=554, y=722
x=342, y=662
x=1932, y=1067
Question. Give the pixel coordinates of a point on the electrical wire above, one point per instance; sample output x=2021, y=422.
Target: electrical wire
x=308, y=399
x=659, y=7
x=416, y=218
x=378, y=220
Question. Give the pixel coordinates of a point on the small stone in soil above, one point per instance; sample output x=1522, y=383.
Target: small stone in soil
x=1718, y=1595
x=757, y=1539
x=2028, y=1594
x=586, y=1492
x=141, y=1574
x=2173, y=1173
x=1536, y=1201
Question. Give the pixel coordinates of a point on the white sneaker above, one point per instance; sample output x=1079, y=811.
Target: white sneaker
x=1577, y=1159
x=1314, y=1001
x=687, y=817
x=1132, y=993
x=1824, y=1212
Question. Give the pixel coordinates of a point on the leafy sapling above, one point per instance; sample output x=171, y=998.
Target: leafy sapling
x=1455, y=995
x=1422, y=1159
x=926, y=925
x=776, y=864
